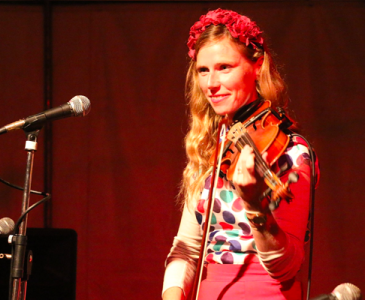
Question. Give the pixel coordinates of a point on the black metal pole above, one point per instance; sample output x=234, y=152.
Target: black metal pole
x=19, y=240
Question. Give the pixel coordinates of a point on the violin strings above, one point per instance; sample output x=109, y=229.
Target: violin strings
x=261, y=165
x=259, y=161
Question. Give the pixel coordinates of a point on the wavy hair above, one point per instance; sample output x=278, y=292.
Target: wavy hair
x=200, y=141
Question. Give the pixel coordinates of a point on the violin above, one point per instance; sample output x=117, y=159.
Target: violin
x=264, y=130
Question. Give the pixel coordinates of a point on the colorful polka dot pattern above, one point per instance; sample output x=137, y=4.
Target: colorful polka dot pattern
x=230, y=238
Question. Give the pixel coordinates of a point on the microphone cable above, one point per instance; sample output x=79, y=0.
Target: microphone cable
x=47, y=196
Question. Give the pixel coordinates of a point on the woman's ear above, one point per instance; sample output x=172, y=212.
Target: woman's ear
x=258, y=65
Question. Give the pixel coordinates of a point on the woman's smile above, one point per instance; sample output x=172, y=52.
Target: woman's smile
x=218, y=98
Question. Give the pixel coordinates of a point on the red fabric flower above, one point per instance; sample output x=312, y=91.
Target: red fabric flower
x=239, y=26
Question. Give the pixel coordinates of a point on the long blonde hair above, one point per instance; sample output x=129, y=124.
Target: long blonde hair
x=200, y=141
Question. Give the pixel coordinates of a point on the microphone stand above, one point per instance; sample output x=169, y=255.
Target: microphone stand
x=18, y=281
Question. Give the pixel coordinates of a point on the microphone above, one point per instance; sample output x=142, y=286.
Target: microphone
x=344, y=291
x=6, y=225
x=77, y=106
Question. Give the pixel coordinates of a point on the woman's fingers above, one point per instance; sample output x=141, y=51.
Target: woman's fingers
x=244, y=173
x=245, y=178
x=249, y=156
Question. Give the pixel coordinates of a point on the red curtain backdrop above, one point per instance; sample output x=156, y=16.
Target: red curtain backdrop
x=116, y=172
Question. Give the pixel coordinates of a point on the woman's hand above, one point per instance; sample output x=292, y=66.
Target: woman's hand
x=248, y=183
x=173, y=293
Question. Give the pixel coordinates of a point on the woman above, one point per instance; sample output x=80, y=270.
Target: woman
x=252, y=252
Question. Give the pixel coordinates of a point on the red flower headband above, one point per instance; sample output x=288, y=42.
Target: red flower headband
x=239, y=26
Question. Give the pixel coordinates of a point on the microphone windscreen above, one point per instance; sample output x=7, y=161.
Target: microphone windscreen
x=347, y=291
x=81, y=105
x=6, y=225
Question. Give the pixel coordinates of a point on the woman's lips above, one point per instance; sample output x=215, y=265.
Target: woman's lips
x=218, y=98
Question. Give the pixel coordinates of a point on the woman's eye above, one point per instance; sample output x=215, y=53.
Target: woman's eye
x=202, y=70
x=225, y=67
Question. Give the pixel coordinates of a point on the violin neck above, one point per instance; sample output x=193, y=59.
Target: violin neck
x=261, y=166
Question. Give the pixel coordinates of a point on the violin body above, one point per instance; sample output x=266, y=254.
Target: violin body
x=263, y=131
x=263, y=126
x=266, y=134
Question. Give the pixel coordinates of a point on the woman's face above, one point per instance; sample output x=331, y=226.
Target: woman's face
x=226, y=77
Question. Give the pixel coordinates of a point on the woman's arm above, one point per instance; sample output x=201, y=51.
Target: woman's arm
x=181, y=261
x=268, y=236
x=280, y=239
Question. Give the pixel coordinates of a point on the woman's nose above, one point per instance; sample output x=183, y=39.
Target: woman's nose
x=213, y=81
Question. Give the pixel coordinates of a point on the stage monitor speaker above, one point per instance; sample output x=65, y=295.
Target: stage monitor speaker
x=54, y=264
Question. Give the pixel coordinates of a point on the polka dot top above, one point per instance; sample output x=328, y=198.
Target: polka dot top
x=230, y=237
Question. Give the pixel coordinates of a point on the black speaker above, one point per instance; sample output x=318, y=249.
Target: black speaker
x=54, y=264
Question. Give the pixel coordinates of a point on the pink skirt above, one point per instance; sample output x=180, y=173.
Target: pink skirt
x=245, y=282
